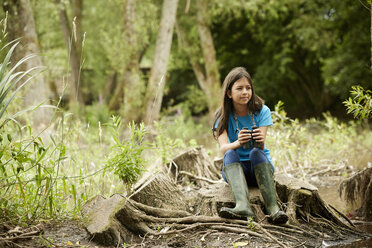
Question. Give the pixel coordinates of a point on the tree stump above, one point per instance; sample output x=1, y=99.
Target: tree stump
x=357, y=191
x=187, y=194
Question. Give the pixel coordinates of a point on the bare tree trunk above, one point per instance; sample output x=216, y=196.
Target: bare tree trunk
x=211, y=85
x=77, y=12
x=110, y=86
x=154, y=93
x=38, y=91
x=117, y=97
x=74, y=57
x=129, y=90
x=133, y=86
x=77, y=15
x=207, y=74
x=13, y=31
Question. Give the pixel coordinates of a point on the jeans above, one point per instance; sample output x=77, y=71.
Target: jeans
x=257, y=156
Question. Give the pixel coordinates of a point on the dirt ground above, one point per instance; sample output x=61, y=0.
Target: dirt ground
x=71, y=233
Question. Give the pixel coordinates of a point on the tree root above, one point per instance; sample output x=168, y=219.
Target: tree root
x=18, y=234
x=198, y=178
x=187, y=196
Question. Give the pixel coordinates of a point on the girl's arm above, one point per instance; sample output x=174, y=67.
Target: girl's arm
x=260, y=135
x=223, y=140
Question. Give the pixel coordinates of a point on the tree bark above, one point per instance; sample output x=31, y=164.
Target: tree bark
x=371, y=33
x=154, y=93
x=212, y=83
x=207, y=75
x=38, y=91
x=110, y=86
x=129, y=90
x=77, y=12
x=74, y=57
x=133, y=85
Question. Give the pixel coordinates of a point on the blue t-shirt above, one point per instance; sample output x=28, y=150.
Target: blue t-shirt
x=261, y=119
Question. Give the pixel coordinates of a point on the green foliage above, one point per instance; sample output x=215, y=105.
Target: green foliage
x=195, y=100
x=28, y=188
x=326, y=49
x=165, y=145
x=178, y=133
x=360, y=105
x=313, y=144
x=9, y=78
x=97, y=112
x=126, y=155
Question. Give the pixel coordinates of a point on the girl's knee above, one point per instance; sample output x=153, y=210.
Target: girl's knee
x=257, y=156
x=231, y=156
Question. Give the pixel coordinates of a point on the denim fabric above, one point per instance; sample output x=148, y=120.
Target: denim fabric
x=257, y=156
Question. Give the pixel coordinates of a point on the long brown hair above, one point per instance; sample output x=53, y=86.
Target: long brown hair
x=223, y=112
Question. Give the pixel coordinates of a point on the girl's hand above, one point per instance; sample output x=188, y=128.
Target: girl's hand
x=244, y=136
x=259, y=135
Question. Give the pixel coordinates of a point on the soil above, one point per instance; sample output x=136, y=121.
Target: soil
x=71, y=233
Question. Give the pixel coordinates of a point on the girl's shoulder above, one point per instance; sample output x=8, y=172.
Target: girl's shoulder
x=264, y=110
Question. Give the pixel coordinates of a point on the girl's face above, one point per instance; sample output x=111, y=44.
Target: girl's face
x=241, y=92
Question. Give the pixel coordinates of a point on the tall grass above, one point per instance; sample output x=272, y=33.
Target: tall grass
x=318, y=144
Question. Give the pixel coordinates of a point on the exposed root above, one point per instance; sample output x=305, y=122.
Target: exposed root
x=357, y=191
x=187, y=196
x=19, y=233
x=198, y=178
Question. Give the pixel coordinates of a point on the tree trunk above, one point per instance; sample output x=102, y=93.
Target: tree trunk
x=12, y=30
x=129, y=90
x=208, y=76
x=133, y=85
x=110, y=86
x=77, y=16
x=371, y=33
x=154, y=93
x=77, y=12
x=74, y=57
x=38, y=90
x=357, y=191
x=212, y=83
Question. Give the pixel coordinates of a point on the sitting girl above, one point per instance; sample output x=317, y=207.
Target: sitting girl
x=240, y=126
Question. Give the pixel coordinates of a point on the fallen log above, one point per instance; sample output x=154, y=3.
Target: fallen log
x=170, y=203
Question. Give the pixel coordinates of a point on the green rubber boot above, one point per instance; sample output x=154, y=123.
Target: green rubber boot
x=236, y=179
x=265, y=182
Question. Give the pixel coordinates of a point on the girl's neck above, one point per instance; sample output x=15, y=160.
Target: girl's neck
x=241, y=110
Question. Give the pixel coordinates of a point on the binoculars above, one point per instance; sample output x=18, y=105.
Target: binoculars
x=252, y=143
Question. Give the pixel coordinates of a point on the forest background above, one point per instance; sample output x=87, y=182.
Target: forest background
x=159, y=66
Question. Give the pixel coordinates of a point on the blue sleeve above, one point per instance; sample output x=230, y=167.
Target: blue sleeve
x=264, y=118
x=215, y=125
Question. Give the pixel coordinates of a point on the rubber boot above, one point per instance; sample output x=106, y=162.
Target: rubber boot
x=236, y=179
x=265, y=182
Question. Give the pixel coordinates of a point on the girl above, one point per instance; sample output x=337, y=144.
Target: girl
x=246, y=159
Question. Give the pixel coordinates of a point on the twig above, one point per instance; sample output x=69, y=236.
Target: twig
x=285, y=235
x=300, y=244
x=198, y=178
x=18, y=237
x=344, y=216
x=237, y=230
x=269, y=235
x=184, y=229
